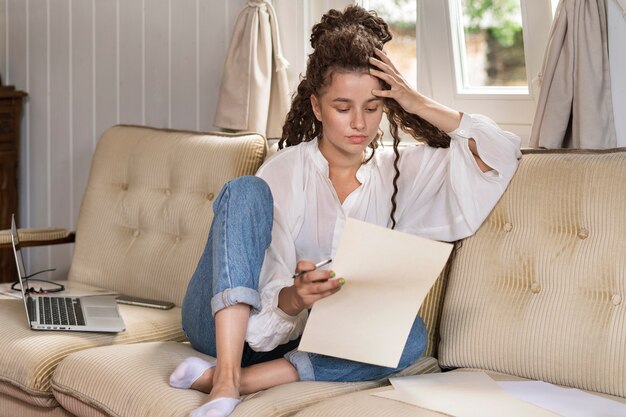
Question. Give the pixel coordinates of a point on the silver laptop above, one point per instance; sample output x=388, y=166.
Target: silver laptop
x=88, y=313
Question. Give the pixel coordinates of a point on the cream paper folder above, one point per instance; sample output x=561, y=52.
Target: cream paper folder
x=388, y=274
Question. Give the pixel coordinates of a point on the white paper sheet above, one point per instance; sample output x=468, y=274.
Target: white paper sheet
x=461, y=394
x=567, y=402
x=388, y=274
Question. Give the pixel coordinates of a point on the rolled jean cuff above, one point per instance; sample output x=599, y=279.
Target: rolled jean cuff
x=237, y=295
x=302, y=363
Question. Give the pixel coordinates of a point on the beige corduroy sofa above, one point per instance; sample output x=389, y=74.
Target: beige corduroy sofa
x=538, y=292
x=143, y=222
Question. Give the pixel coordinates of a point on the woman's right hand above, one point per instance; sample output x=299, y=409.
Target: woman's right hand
x=307, y=288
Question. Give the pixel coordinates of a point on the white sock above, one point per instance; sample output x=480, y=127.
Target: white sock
x=220, y=407
x=188, y=372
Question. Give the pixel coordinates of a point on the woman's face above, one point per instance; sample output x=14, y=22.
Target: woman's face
x=349, y=113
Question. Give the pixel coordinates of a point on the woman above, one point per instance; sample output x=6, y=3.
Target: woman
x=291, y=214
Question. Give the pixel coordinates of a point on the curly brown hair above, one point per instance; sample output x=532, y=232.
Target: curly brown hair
x=344, y=42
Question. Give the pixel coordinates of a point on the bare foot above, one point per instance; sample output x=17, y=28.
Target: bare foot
x=224, y=391
x=226, y=383
x=205, y=382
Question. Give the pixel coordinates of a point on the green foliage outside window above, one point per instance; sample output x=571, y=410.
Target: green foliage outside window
x=493, y=34
x=497, y=16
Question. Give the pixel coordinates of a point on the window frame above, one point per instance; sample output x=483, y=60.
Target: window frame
x=436, y=76
x=513, y=112
x=435, y=50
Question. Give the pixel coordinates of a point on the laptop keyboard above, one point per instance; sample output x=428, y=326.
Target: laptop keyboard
x=60, y=311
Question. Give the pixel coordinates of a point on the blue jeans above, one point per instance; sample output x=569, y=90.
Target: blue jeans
x=228, y=273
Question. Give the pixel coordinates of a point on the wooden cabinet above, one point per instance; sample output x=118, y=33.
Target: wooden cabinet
x=10, y=116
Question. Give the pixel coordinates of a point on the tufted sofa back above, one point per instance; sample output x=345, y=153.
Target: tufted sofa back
x=540, y=290
x=147, y=209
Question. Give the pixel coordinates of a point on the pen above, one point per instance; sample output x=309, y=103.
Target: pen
x=317, y=265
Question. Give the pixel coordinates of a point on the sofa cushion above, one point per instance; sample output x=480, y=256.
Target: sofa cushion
x=430, y=310
x=148, y=206
x=364, y=404
x=132, y=380
x=12, y=407
x=28, y=358
x=540, y=290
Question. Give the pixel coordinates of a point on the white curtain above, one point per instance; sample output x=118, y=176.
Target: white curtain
x=254, y=94
x=574, y=109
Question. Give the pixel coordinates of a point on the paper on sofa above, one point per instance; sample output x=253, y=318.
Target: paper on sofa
x=461, y=394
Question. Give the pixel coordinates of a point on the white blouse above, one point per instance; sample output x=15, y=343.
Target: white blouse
x=443, y=195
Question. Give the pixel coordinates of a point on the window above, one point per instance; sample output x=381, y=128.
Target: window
x=401, y=16
x=477, y=56
x=488, y=46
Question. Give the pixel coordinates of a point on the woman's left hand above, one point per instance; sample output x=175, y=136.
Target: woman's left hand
x=400, y=91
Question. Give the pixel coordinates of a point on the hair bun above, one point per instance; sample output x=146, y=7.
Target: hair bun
x=352, y=15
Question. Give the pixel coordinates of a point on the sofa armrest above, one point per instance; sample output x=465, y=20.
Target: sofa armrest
x=37, y=237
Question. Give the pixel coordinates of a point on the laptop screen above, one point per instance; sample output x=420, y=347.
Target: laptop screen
x=19, y=261
x=17, y=251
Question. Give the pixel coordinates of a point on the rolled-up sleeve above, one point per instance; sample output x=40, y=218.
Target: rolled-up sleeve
x=443, y=194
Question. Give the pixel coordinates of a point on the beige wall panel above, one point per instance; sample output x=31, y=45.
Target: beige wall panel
x=83, y=135
x=39, y=121
x=131, y=70
x=184, y=65
x=214, y=35
x=157, y=65
x=17, y=75
x=617, y=56
x=90, y=64
x=106, y=79
x=3, y=38
x=59, y=145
